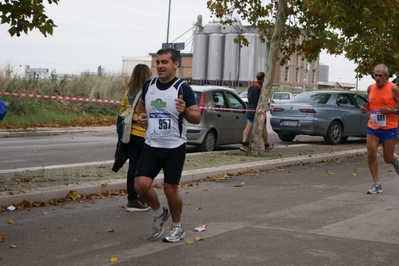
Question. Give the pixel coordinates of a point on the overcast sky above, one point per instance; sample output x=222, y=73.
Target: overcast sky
x=91, y=33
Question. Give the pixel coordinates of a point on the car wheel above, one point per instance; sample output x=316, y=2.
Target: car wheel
x=286, y=137
x=334, y=133
x=209, y=142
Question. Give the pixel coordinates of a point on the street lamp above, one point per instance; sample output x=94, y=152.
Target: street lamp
x=167, y=33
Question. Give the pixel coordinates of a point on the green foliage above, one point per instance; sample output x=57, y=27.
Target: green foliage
x=25, y=15
x=35, y=112
x=364, y=30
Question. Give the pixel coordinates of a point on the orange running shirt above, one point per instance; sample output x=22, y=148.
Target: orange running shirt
x=379, y=98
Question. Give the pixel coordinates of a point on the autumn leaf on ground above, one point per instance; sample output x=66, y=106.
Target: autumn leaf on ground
x=198, y=208
x=1, y=239
x=353, y=174
x=10, y=221
x=145, y=238
x=113, y=260
x=189, y=242
x=197, y=238
x=45, y=213
x=188, y=203
x=240, y=185
x=110, y=230
x=21, y=192
x=13, y=246
x=329, y=172
x=74, y=195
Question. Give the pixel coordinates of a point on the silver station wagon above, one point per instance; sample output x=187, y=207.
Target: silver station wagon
x=223, y=118
x=335, y=115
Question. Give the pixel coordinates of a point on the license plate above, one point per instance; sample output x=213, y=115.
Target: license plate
x=290, y=123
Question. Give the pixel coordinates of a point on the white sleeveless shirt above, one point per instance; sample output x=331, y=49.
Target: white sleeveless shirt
x=166, y=128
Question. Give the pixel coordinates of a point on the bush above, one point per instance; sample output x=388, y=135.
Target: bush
x=34, y=112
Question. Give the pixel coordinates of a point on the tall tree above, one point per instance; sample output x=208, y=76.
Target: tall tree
x=25, y=15
x=363, y=30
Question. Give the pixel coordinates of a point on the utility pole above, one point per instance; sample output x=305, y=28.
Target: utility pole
x=305, y=71
x=167, y=33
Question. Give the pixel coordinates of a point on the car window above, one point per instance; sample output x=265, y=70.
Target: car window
x=235, y=101
x=312, y=98
x=359, y=99
x=219, y=100
x=281, y=96
x=345, y=100
x=197, y=96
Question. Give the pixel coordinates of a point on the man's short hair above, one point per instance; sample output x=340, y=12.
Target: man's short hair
x=384, y=67
x=260, y=76
x=174, y=55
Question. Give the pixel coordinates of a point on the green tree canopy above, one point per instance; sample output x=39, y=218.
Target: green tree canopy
x=363, y=30
x=25, y=15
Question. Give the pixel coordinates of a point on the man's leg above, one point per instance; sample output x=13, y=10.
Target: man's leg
x=372, y=146
x=175, y=201
x=173, y=167
x=245, y=134
x=143, y=186
x=388, y=148
x=246, y=131
x=265, y=136
x=390, y=156
x=147, y=169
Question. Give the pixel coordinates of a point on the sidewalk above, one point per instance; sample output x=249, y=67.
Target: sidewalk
x=51, y=192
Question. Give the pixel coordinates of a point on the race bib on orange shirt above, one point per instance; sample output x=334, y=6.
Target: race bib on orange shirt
x=378, y=119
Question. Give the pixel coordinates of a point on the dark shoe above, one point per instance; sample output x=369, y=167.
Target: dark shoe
x=269, y=146
x=137, y=206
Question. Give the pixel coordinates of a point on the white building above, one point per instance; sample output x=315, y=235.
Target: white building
x=128, y=63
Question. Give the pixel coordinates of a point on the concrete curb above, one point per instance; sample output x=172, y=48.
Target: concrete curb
x=95, y=187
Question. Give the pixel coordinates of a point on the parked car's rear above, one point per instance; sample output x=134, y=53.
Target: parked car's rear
x=334, y=115
x=279, y=97
x=223, y=118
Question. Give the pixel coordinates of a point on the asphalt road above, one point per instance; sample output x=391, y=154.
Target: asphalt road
x=46, y=149
x=310, y=214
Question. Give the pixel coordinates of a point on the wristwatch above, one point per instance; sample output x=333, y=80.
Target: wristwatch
x=186, y=111
x=395, y=111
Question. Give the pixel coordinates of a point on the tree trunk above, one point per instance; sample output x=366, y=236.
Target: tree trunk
x=272, y=61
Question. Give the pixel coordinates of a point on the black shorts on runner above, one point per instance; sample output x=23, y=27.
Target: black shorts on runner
x=171, y=161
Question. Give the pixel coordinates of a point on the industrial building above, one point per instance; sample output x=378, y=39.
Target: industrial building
x=217, y=59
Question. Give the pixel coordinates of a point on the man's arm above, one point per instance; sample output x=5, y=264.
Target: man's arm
x=142, y=119
x=192, y=114
x=365, y=107
x=395, y=93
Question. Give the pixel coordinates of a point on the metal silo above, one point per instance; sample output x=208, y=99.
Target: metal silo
x=200, y=58
x=247, y=60
x=215, y=58
x=231, y=60
x=211, y=28
x=234, y=27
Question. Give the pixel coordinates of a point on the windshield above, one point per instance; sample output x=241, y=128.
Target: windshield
x=312, y=98
x=281, y=96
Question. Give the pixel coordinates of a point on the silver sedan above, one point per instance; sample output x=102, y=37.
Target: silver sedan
x=223, y=118
x=335, y=115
